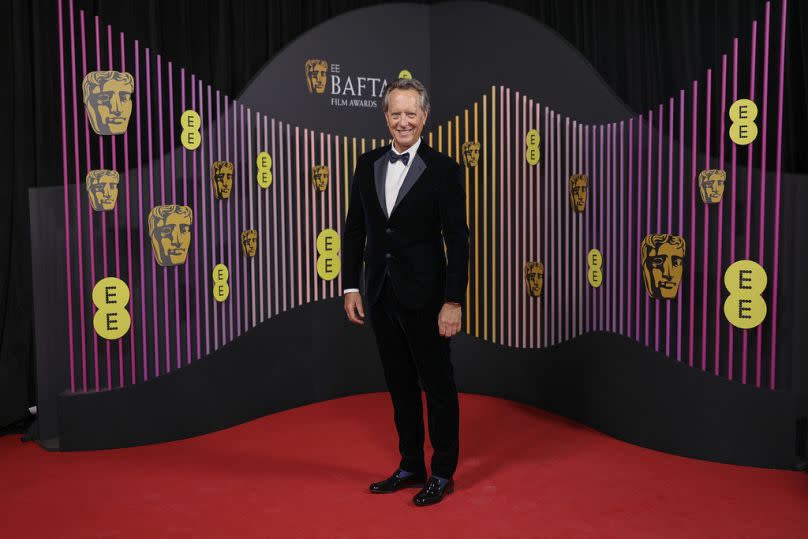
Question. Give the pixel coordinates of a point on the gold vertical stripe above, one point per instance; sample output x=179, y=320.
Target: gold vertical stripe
x=440, y=138
x=476, y=234
x=468, y=215
x=373, y=144
x=449, y=138
x=494, y=257
x=363, y=145
x=430, y=139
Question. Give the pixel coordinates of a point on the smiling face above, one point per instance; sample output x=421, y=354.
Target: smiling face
x=711, y=185
x=102, y=188
x=405, y=118
x=534, y=278
x=662, y=264
x=579, y=185
x=471, y=153
x=249, y=242
x=108, y=101
x=170, y=231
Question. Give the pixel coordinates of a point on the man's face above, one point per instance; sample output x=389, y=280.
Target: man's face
x=109, y=107
x=316, y=75
x=319, y=176
x=404, y=116
x=223, y=180
x=711, y=185
x=103, y=192
x=662, y=271
x=171, y=239
x=534, y=278
x=471, y=153
x=578, y=189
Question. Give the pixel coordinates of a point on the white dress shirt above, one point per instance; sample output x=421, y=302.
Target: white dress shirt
x=396, y=172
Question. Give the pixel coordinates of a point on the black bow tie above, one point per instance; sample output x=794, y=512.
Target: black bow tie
x=405, y=157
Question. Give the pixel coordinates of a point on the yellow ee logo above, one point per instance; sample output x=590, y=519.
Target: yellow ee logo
x=532, y=150
x=264, y=162
x=112, y=320
x=595, y=261
x=745, y=280
x=404, y=74
x=190, y=122
x=743, y=129
x=220, y=287
x=328, y=245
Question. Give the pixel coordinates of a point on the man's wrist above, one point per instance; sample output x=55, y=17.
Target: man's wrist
x=347, y=290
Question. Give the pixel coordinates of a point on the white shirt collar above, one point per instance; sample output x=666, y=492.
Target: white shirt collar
x=411, y=150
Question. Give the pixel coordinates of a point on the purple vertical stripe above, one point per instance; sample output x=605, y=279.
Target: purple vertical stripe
x=508, y=257
x=670, y=219
x=299, y=211
x=68, y=261
x=88, y=166
x=706, y=233
x=163, y=273
x=680, y=229
x=778, y=169
x=748, y=206
x=761, y=241
x=603, y=182
x=238, y=123
x=277, y=156
x=606, y=243
x=207, y=135
x=195, y=180
x=649, y=163
x=130, y=275
x=518, y=259
x=335, y=186
x=232, y=241
x=502, y=296
x=733, y=191
x=719, y=246
x=141, y=214
x=621, y=241
x=308, y=214
x=216, y=216
x=638, y=265
x=155, y=321
x=288, y=238
x=659, y=213
x=178, y=336
x=339, y=213
x=692, y=230
x=631, y=303
x=116, y=234
x=567, y=218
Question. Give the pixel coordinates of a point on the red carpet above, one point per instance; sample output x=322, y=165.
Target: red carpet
x=304, y=473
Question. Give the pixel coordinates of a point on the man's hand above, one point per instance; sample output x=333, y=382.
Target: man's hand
x=353, y=305
x=449, y=319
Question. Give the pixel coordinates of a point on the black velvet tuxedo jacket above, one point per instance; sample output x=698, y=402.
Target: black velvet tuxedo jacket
x=408, y=244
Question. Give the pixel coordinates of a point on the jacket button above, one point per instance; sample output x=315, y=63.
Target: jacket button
x=389, y=230
x=388, y=256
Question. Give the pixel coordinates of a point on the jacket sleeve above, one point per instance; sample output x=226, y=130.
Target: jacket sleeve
x=353, y=235
x=452, y=206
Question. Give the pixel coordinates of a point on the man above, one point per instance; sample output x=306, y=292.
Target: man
x=406, y=200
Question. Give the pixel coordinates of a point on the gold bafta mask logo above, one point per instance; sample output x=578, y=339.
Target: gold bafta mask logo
x=316, y=75
x=108, y=101
x=249, y=242
x=223, y=179
x=102, y=189
x=663, y=257
x=711, y=185
x=579, y=185
x=319, y=177
x=471, y=153
x=170, y=232
x=534, y=278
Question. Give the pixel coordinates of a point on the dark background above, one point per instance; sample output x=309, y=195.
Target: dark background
x=645, y=50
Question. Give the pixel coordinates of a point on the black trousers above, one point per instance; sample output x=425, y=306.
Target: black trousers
x=413, y=351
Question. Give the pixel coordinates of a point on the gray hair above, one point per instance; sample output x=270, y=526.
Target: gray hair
x=406, y=84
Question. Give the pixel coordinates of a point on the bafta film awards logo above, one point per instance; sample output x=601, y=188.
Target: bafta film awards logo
x=316, y=75
x=663, y=257
x=107, y=97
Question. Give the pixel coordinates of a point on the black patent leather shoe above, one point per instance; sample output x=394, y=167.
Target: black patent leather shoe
x=433, y=493
x=395, y=483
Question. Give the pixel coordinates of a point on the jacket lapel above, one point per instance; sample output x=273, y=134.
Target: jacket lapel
x=416, y=169
x=379, y=174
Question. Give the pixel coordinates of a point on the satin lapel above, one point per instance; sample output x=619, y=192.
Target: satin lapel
x=379, y=173
x=416, y=169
